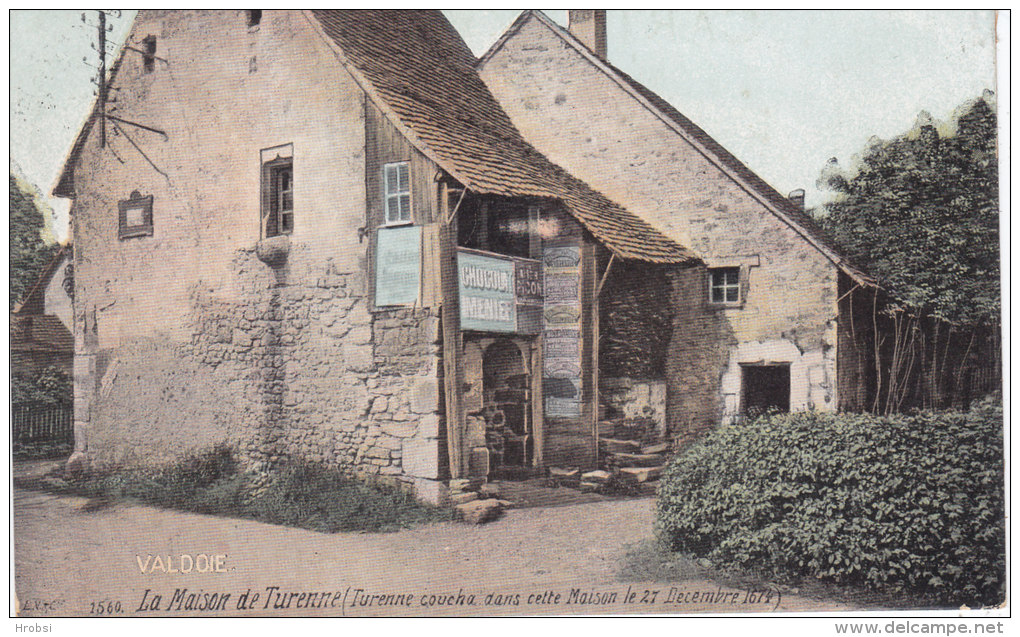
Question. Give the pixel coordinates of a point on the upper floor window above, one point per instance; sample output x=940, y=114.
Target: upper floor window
x=724, y=285
x=280, y=178
x=254, y=17
x=278, y=190
x=397, y=180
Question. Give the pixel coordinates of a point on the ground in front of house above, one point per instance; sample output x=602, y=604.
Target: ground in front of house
x=70, y=561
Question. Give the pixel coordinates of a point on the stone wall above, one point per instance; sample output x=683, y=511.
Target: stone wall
x=634, y=398
x=635, y=319
x=301, y=370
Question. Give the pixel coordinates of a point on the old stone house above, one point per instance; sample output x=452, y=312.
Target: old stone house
x=336, y=236
x=317, y=235
x=764, y=319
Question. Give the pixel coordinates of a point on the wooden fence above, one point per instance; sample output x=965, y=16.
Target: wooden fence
x=34, y=423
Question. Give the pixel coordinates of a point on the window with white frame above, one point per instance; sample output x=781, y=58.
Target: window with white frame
x=397, y=180
x=724, y=286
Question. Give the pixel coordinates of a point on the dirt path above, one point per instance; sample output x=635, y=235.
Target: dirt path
x=69, y=560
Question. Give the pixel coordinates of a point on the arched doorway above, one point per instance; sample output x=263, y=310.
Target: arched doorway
x=506, y=399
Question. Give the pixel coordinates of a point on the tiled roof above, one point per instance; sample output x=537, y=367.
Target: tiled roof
x=781, y=206
x=423, y=73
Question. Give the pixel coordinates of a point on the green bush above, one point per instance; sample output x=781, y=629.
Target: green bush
x=910, y=503
x=299, y=494
x=312, y=497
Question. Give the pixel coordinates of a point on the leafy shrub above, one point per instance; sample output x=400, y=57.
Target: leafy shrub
x=299, y=494
x=909, y=503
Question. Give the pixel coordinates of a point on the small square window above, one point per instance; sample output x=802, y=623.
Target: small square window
x=397, y=180
x=135, y=216
x=278, y=197
x=724, y=286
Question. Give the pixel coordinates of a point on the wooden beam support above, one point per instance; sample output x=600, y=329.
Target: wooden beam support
x=453, y=213
x=453, y=363
x=605, y=275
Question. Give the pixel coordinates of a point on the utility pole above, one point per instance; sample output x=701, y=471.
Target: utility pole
x=103, y=84
x=102, y=78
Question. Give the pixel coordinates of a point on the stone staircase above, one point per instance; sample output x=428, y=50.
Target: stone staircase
x=632, y=461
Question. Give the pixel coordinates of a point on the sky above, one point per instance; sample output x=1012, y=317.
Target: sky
x=784, y=91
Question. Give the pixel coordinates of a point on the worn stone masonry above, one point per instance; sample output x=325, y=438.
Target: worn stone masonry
x=301, y=369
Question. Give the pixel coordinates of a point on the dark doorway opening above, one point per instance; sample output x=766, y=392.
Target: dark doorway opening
x=766, y=388
x=507, y=404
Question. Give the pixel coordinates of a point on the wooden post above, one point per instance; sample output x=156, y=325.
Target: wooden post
x=595, y=337
x=537, y=404
x=590, y=344
x=453, y=364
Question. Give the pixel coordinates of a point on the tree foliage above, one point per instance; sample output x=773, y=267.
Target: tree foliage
x=921, y=213
x=48, y=386
x=30, y=250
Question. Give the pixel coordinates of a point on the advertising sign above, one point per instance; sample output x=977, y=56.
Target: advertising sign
x=561, y=315
x=397, y=265
x=487, y=301
x=529, y=281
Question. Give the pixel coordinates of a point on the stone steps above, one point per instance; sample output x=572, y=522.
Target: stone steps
x=633, y=462
x=649, y=488
x=662, y=447
x=635, y=459
x=612, y=445
x=641, y=474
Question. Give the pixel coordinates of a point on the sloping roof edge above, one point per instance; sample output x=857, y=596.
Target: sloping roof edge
x=576, y=194
x=377, y=100
x=725, y=161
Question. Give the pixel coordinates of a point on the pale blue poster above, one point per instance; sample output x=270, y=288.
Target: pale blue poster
x=487, y=301
x=398, y=266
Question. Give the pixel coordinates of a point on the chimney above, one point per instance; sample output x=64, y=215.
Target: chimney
x=589, y=26
x=797, y=197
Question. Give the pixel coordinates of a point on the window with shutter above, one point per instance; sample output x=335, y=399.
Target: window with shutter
x=278, y=196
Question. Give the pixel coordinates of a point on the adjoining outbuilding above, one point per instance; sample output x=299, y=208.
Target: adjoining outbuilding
x=764, y=320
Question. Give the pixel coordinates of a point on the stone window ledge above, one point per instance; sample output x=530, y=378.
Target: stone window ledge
x=273, y=250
